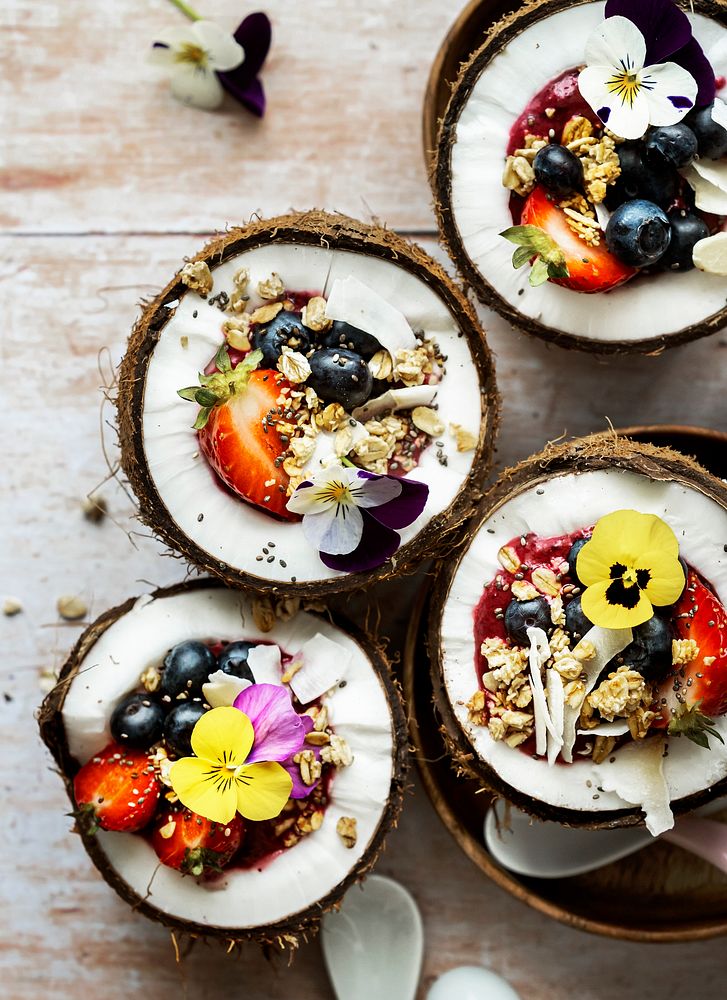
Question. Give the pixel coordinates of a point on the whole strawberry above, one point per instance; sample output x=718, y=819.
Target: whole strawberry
x=195, y=845
x=117, y=789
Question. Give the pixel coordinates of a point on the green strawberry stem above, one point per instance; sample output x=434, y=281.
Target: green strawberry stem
x=220, y=385
x=534, y=244
x=693, y=724
x=186, y=10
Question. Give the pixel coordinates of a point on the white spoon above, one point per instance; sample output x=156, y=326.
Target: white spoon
x=471, y=982
x=373, y=946
x=548, y=850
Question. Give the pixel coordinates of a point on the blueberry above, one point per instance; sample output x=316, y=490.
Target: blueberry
x=686, y=230
x=651, y=181
x=340, y=376
x=711, y=137
x=557, y=169
x=284, y=330
x=137, y=721
x=233, y=660
x=179, y=725
x=186, y=668
x=649, y=653
x=350, y=337
x=573, y=556
x=576, y=622
x=522, y=615
x=671, y=145
x=638, y=233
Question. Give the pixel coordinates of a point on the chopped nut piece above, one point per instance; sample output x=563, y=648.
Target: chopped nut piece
x=576, y=127
x=465, y=440
x=263, y=613
x=197, y=276
x=310, y=768
x=523, y=591
x=346, y=830
x=241, y=278
x=585, y=650
x=271, y=288
x=168, y=829
x=413, y=366
x=265, y=313
x=291, y=672
x=518, y=175
x=317, y=739
x=151, y=678
x=640, y=722
x=94, y=509
x=381, y=365
x=426, y=419
x=683, y=651
x=293, y=365
x=515, y=739
x=314, y=314
x=237, y=332
x=602, y=747
x=476, y=708
x=71, y=608
x=544, y=579
x=508, y=559
x=337, y=752
x=12, y=606
x=497, y=728
x=238, y=301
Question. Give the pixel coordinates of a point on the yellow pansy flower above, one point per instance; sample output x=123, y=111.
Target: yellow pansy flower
x=630, y=564
x=217, y=782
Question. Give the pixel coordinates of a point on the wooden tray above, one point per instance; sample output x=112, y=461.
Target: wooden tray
x=659, y=894
x=463, y=38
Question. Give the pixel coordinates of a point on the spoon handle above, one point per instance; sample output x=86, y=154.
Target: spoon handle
x=704, y=837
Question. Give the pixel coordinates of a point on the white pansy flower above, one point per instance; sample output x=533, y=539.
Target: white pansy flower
x=626, y=95
x=193, y=55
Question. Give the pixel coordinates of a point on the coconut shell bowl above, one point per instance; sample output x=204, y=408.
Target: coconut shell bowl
x=659, y=894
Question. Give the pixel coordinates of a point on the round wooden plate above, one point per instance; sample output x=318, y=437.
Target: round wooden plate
x=659, y=894
x=466, y=34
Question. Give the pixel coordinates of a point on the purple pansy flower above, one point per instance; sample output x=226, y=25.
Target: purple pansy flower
x=353, y=517
x=279, y=731
x=254, y=35
x=668, y=35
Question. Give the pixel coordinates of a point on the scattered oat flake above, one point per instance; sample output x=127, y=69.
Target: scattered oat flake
x=197, y=276
x=271, y=288
x=294, y=366
x=265, y=313
x=346, y=830
x=71, y=608
x=465, y=440
x=12, y=606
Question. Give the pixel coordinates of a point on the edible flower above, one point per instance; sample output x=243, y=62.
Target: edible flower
x=630, y=564
x=202, y=59
x=235, y=767
x=351, y=516
x=626, y=94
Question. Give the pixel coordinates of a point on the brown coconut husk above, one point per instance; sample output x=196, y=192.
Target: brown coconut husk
x=298, y=927
x=444, y=531
x=598, y=451
x=497, y=38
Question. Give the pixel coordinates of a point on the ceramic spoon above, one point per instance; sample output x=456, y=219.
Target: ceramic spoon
x=373, y=945
x=471, y=982
x=549, y=850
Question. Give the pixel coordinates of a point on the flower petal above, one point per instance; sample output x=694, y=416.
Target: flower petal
x=696, y=63
x=223, y=736
x=629, y=119
x=300, y=790
x=404, y=509
x=370, y=490
x=254, y=34
x=223, y=52
x=161, y=54
x=262, y=790
x=176, y=37
x=624, y=535
x=197, y=87
x=336, y=531
x=666, y=574
x=664, y=26
x=200, y=789
x=279, y=731
x=249, y=93
x=670, y=92
x=601, y=611
x=378, y=543
x=618, y=44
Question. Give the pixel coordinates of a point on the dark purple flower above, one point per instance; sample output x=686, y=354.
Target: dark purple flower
x=668, y=35
x=279, y=730
x=254, y=35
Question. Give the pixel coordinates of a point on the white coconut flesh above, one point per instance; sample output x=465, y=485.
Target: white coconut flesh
x=223, y=525
x=555, y=507
x=650, y=306
x=359, y=712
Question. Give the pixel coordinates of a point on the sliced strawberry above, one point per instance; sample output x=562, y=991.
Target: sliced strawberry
x=195, y=845
x=242, y=443
x=694, y=693
x=118, y=789
x=590, y=268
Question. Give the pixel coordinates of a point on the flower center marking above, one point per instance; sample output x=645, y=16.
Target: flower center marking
x=194, y=55
x=625, y=85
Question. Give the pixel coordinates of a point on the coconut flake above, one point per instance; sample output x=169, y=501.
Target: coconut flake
x=264, y=661
x=710, y=254
x=556, y=702
x=397, y=399
x=538, y=657
x=615, y=728
x=221, y=689
x=325, y=663
x=607, y=643
x=353, y=302
x=637, y=776
x=708, y=178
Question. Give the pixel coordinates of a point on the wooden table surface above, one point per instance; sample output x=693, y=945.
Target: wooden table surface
x=105, y=184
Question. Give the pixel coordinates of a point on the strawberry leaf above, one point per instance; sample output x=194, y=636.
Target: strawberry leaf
x=533, y=243
x=522, y=255
x=693, y=724
x=202, y=418
x=206, y=398
x=539, y=272
x=222, y=359
x=190, y=393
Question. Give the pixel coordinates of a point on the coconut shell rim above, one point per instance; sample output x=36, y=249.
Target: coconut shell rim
x=284, y=933
x=442, y=532
x=502, y=32
x=596, y=451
